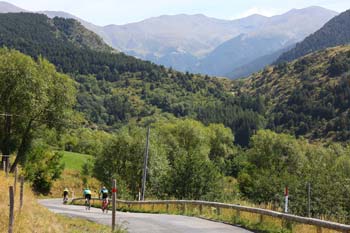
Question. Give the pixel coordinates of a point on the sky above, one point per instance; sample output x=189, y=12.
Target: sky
x=104, y=12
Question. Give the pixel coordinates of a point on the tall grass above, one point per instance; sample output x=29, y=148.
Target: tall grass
x=35, y=218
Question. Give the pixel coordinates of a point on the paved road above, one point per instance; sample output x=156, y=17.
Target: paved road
x=144, y=223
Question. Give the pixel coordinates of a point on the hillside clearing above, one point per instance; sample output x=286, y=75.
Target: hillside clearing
x=74, y=161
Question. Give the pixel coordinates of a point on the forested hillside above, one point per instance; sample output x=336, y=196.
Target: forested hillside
x=335, y=32
x=115, y=89
x=308, y=97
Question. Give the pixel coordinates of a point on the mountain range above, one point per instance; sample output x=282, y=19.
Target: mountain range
x=205, y=45
x=270, y=39
x=335, y=32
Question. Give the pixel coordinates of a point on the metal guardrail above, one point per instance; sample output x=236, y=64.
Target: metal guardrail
x=282, y=216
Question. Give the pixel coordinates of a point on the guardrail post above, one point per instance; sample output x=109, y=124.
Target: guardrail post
x=218, y=211
x=238, y=216
x=184, y=208
x=167, y=207
x=12, y=205
x=319, y=229
x=261, y=218
x=200, y=209
x=21, y=193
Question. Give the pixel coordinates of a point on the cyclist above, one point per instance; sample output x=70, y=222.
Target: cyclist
x=104, y=194
x=87, y=195
x=65, y=195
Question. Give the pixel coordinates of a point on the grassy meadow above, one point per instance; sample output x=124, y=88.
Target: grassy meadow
x=74, y=161
x=73, y=177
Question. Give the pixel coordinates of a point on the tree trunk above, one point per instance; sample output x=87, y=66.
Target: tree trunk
x=21, y=154
x=6, y=140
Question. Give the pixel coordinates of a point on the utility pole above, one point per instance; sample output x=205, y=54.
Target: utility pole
x=309, y=198
x=145, y=164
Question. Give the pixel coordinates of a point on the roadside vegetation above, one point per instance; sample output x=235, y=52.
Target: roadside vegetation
x=76, y=176
x=35, y=218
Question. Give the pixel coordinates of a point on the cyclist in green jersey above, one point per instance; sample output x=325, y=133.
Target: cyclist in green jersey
x=87, y=195
x=104, y=193
x=105, y=201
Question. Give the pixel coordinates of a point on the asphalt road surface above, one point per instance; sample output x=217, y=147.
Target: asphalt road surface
x=143, y=223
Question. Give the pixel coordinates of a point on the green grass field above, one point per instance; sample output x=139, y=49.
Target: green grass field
x=74, y=161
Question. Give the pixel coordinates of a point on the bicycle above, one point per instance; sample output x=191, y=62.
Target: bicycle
x=87, y=203
x=65, y=196
x=65, y=200
x=104, y=206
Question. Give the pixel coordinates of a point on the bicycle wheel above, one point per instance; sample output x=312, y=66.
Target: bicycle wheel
x=106, y=206
x=87, y=204
x=103, y=206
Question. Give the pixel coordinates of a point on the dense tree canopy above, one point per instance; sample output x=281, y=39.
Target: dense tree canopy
x=275, y=161
x=186, y=159
x=31, y=94
x=308, y=97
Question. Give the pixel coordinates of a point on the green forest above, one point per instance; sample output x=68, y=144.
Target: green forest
x=308, y=97
x=62, y=88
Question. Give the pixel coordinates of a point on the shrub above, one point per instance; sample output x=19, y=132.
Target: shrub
x=42, y=168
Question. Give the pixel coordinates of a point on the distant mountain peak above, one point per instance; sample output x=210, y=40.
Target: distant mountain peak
x=316, y=8
x=6, y=7
x=181, y=16
x=310, y=9
x=255, y=16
